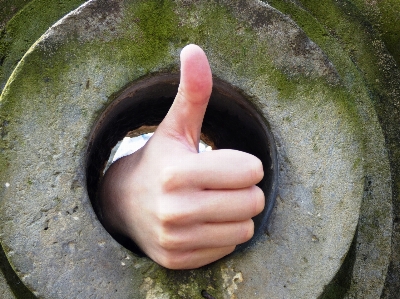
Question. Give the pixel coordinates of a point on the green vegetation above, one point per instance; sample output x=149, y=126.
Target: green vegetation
x=149, y=43
x=26, y=27
x=358, y=37
x=9, y=8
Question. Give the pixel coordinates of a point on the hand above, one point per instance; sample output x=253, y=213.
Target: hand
x=184, y=209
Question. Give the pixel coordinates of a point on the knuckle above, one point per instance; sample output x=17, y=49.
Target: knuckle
x=169, y=241
x=170, y=178
x=169, y=217
x=172, y=212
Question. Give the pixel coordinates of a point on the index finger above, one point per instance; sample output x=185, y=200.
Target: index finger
x=219, y=169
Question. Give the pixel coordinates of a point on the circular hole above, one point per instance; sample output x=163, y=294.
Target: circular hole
x=230, y=122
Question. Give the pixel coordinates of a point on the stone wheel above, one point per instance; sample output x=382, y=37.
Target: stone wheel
x=77, y=71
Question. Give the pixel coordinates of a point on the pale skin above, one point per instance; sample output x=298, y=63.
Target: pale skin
x=184, y=209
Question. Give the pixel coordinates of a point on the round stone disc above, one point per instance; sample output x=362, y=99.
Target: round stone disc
x=50, y=104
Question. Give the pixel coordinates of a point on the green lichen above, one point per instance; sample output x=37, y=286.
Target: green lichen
x=157, y=25
x=339, y=34
x=8, y=9
x=241, y=59
x=156, y=34
x=26, y=27
x=354, y=34
x=186, y=284
x=385, y=18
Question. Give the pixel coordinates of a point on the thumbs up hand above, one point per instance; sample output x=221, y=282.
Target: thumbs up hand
x=184, y=209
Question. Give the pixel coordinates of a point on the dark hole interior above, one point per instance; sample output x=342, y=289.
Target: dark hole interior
x=230, y=122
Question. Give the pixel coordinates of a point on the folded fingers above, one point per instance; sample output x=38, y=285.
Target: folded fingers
x=220, y=169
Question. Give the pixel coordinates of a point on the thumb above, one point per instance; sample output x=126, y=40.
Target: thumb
x=184, y=119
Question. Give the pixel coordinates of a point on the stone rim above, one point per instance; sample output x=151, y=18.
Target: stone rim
x=93, y=2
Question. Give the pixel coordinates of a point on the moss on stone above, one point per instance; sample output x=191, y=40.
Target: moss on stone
x=157, y=24
x=9, y=8
x=186, y=284
x=26, y=27
x=354, y=34
x=384, y=16
x=155, y=29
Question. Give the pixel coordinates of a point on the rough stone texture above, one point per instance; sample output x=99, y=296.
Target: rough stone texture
x=384, y=16
x=50, y=233
x=11, y=286
x=8, y=9
x=287, y=77
x=5, y=290
x=15, y=39
x=341, y=29
x=22, y=22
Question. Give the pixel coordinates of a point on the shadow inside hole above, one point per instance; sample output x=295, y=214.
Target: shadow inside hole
x=230, y=122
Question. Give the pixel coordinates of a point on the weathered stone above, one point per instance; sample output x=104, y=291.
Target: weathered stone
x=331, y=149
x=15, y=39
x=342, y=30
x=22, y=22
x=11, y=286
